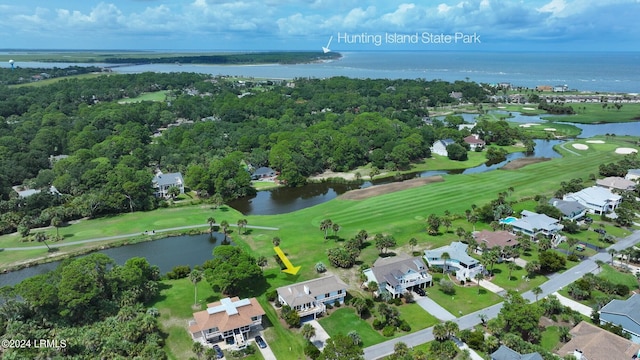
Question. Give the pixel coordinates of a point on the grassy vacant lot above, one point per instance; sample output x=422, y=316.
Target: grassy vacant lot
x=615, y=276
x=517, y=280
x=466, y=299
x=550, y=338
x=152, y=96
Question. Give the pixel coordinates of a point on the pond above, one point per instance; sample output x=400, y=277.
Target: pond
x=165, y=253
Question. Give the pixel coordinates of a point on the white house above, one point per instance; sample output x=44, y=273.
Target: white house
x=227, y=318
x=309, y=298
x=531, y=223
x=162, y=182
x=597, y=199
x=399, y=274
x=459, y=261
x=440, y=147
x=633, y=174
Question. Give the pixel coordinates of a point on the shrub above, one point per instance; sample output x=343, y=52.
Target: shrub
x=320, y=267
x=311, y=350
x=404, y=326
x=377, y=324
x=337, y=304
x=179, y=272
x=573, y=257
x=447, y=287
x=388, y=331
x=271, y=295
x=329, y=306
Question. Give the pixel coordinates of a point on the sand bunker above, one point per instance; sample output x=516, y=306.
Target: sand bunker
x=549, y=129
x=580, y=146
x=360, y=194
x=528, y=125
x=502, y=107
x=625, y=151
x=528, y=108
x=595, y=141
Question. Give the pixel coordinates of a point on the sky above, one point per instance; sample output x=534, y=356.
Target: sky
x=343, y=25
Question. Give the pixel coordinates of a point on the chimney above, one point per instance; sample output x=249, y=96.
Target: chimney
x=577, y=354
x=306, y=290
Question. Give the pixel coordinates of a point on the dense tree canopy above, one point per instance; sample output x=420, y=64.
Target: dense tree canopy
x=233, y=271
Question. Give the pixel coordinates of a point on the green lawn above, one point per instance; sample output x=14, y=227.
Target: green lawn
x=151, y=96
x=550, y=338
x=618, y=277
x=593, y=114
x=517, y=280
x=343, y=320
x=417, y=318
x=466, y=299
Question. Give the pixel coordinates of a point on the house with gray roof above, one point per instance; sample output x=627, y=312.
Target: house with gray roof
x=465, y=266
x=633, y=174
x=163, y=182
x=531, y=223
x=506, y=353
x=399, y=274
x=616, y=183
x=625, y=313
x=309, y=298
x=440, y=147
x=596, y=199
x=571, y=210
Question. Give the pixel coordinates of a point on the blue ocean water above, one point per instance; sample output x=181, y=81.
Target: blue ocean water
x=584, y=71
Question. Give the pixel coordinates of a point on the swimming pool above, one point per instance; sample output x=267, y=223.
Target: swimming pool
x=508, y=220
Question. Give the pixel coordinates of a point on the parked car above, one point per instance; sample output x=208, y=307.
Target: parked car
x=588, y=220
x=600, y=231
x=420, y=291
x=219, y=352
x=260, y=341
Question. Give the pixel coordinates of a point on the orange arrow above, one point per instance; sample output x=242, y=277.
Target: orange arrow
x=290, y=269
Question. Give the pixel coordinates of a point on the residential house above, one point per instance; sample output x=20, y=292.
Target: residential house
x=25, y=192
x=163, y=182
x=531, y=223
x=465, y=266
x=561, y=88
x=633, y=174
x=506, y=353
x=616, y=183
x=597, y=200
x=440, y=147
x=625, y=313
x=590, y=342
x=474, y=142
x=399, y=274
x=456, y=95
x=544, y=87
x=309, y=298
x=229, y=318
x=263, y=172
x=571, y=210
x=467, y=126
x=491, y=239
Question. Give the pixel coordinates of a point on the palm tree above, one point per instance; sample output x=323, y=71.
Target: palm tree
x=359, y=304
x=440, y=332
x=478, y=277
x=56, y=222
x=262, y=262
x=335, y=228
x=372, y=286
x=452, y=328
x=563, y=331
x=242, y=223
x=599, y=263
x=325, y=225
x=308, y=331
x=612, y=252
x=511, y=266
x=195, y=276
x=42, y=237
x=211, y=222
x=571, y=242
x=536, y=291
x=413, y=242
x=198, y=349
x=445, y=256
x=400, y=349
x=224, y=224
x=276, y=241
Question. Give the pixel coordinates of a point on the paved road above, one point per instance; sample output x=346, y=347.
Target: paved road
x=555, y=283
x=128, y=236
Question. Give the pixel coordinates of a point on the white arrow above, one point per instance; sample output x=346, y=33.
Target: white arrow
x=326, y=48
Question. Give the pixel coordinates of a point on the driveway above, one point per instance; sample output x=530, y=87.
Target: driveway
x=434, y=309
x=321, y=336
x=581, y=308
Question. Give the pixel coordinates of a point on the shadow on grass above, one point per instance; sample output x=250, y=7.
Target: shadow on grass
x=66, y=236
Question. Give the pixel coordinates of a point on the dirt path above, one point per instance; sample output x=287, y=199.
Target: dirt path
x=522, y=162
x=376, y=190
